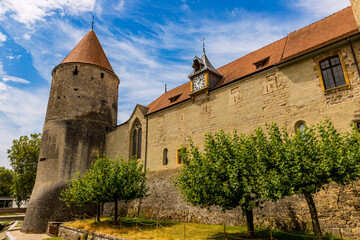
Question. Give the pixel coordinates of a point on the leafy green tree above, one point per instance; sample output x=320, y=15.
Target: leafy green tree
x=23, y=156
x=226, y=174
x=128, y=182
x=310, y=159
x=107, y=181
x=6, y=179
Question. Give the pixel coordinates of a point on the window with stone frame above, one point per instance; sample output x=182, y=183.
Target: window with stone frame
x=136, y=140
x=179, y=159
x=332, y=73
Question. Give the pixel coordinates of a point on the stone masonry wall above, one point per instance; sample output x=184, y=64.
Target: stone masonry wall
x=287, y=95
x=338, y=208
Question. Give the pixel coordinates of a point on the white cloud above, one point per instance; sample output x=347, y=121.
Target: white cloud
x=14, y=79
x=26, y=36
x=320, y=8
x=2, y=37
x=21, y=113
x=6, y=78
x=29, y=12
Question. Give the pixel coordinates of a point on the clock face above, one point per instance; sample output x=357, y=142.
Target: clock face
x=198, y=82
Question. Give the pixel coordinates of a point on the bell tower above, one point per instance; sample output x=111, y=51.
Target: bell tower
x=82, y=107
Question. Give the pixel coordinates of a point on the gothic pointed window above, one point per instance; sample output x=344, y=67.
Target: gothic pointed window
x=136, y=140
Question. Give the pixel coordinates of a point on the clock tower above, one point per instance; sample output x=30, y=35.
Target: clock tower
x=204, y=76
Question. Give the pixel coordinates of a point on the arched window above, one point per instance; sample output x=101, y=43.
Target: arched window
x=300, y=125
x=165, y=156
x=136, y=140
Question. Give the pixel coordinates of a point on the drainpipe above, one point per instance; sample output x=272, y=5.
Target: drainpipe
x=354, y=56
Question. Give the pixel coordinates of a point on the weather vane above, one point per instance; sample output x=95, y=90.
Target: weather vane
x=92, y=23
x=203, y=41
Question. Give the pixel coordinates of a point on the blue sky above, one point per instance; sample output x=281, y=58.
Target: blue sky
x=148, y=43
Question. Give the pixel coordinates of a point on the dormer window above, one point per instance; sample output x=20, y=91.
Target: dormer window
x=173, y=99
x=260, y=64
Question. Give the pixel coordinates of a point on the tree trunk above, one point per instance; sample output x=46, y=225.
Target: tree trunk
x=98, y=212
x=116, y=212
x=314, y=215
x=250, y=222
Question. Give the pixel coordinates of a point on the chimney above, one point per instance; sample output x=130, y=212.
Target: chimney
x=355, y=5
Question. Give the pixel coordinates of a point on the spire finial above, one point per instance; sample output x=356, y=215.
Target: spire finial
x=92, y=23
x=203, y=41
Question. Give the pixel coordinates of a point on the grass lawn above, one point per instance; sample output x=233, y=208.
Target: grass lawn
x=149, y=229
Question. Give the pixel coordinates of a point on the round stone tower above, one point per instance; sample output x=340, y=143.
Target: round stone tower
x=82, y=107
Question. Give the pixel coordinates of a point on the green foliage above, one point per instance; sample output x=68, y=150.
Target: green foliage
x=107, y=180
x=226, y=174
x=6, y=180
x=242, y=170
x=23, y=156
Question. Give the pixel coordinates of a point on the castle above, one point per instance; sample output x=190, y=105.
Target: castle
x=310, y=74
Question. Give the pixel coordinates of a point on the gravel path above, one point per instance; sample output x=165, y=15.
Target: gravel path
x=15, y=232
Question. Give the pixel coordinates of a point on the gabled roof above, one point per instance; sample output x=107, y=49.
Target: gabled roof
x=319, y=34
x=89, y=50
x=206, y=65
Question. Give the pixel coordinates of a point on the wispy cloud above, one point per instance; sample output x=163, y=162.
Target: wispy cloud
x=320, y=8
x=2, y=37
x=21, y=113
x=7, y=78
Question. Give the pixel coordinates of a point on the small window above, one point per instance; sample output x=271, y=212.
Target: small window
x=332, y=73
x=179, y=159
x=261, y=63
x=173, y=99
x=76, y=71
x=102, y=75
x=300, y=125
x=165, y=156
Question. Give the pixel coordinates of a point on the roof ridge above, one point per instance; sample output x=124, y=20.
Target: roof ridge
x=254, y=51
x=322, y=19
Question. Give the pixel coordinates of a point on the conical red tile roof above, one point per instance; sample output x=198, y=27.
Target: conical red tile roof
x=89, y=50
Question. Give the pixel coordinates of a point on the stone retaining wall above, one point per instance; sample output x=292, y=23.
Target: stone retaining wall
x=70, y=233
x=338, y=208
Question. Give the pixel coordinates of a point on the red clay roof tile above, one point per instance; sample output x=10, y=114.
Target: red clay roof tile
x=89, y=50
x=304, y=40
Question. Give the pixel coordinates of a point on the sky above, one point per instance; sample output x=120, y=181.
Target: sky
x=148, y=43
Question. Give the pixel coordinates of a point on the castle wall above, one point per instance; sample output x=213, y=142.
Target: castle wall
x=286, y=95
x=338, y=208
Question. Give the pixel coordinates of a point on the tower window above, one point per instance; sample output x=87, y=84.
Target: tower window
x=136, y=140
x=76, y=71
x=102, y=75
x=165, y=156
x=332, y=73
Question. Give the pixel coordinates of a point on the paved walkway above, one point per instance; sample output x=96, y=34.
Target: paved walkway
x=22, y=236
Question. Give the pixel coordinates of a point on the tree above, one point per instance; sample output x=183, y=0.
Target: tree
x=107, y=181
x=6, y=179
x=226, y=174
x=310, y=159
x=129, y=182
x=23, y=156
